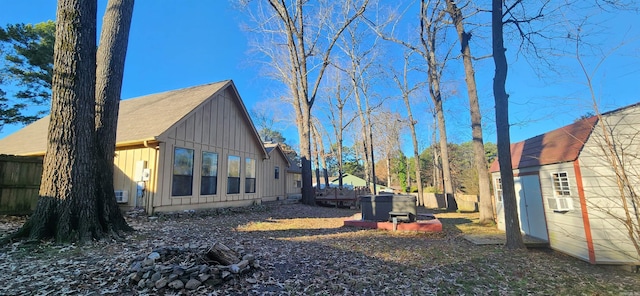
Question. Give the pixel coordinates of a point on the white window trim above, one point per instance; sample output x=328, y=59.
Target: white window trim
x=564, y=202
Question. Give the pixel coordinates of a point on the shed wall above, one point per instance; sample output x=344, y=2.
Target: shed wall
x=566, y=228
x=611, y=240
x=293, y=184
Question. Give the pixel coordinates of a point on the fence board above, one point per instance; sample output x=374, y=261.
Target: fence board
x=19, y=184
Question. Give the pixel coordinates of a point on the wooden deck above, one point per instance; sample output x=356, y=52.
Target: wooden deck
x=339, y=197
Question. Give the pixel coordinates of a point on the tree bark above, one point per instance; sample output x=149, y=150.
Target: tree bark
x=484, y=192
x=512, y=223
x=109, y=74
x=66, y=204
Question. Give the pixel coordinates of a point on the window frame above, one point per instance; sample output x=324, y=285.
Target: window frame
x=209, y=177
x=498, y=190
x=561, y=201
x=233, y=182
x=250, y=175
x=277, y=173
x=177, y=189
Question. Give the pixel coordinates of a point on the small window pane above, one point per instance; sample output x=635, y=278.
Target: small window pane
x=277, y=173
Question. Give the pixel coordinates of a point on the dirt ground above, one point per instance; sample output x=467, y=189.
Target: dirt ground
x=306, y=250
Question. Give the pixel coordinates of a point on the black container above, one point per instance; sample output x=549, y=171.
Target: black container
x=377, y=207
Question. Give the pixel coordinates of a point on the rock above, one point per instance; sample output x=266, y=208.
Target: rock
x=153, y=256
x=150, y=284
x=178, y=270
x=251, y=280
x=193, y=269
x=134, y=278
x=161, y=283
x=204, y=268
x=142, y=283
x=249, y=257
x=136, y=266
x=213, y=282
x=176, y=284
x=203, y=277
x=234, y=268
x=173, y=277
x=147, y=262
x=146, y=275
x=193, y=284
x=225, y=275
x=156, y=276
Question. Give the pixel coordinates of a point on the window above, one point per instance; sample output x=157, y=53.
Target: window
x=182, y=172
x=250, y=176
x=277, y=172
x=561, y=184
x=498, y=190
x=561, y=202
x=209, y=178
x=233, y=175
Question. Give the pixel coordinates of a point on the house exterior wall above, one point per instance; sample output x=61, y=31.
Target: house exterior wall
x=611, y=241
x=274, y=189
x=294, y=184
x=125, y=172
x=217, y=126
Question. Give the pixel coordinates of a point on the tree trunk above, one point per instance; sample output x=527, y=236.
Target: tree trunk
x=512, y=223
x=109, y=74
x=485, y=208
x=66, y=209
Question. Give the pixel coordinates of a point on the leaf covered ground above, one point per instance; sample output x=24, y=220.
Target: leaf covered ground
x=306, y=250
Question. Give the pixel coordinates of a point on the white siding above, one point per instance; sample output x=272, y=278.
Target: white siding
x=611, y=240
x=566, y=229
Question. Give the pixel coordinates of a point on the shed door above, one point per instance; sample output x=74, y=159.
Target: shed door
x=530, y=206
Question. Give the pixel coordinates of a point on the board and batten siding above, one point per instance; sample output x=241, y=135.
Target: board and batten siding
x=566, y=228
x=218, y=126
x=274, y=189
x=611, y=241
x=292, y=184
x=125, y=170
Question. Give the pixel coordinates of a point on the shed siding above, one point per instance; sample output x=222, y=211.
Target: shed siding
x=611, y=240
x=124, y=172
x=216, y=126
x=566, y=229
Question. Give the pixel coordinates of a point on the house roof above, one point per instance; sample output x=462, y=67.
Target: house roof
x=139, y=119
x=276, y=147
x=557, y=146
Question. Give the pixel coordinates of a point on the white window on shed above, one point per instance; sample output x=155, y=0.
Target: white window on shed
x=498, y=187
x=561, y=200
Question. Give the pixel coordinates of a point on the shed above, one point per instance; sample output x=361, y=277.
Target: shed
x=185, y=149
x=349, y=180
x=567, y=187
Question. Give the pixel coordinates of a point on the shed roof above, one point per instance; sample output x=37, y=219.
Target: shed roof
x=557, y=146
x=139, y=119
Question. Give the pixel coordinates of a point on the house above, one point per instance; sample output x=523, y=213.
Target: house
x=352, y=181
x=274, y=168
x=185, y=149
x=568, y=187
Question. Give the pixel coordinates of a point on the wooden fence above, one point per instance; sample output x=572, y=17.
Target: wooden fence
x=19, y=184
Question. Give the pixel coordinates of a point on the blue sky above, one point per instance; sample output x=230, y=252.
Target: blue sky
x=177, y=44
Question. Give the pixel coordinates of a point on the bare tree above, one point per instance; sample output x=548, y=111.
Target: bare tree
x=512, y=222
x=406, y=91
x=486, y=207
x=303, y=35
